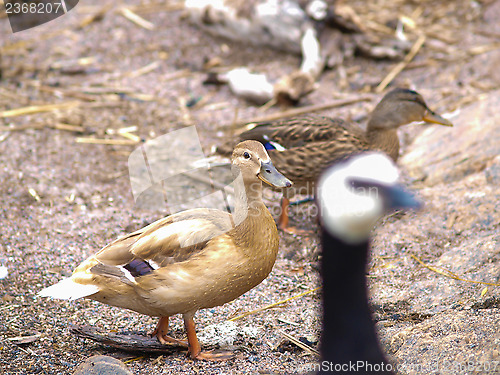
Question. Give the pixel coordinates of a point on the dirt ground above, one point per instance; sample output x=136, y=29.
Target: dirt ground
x=63, y=199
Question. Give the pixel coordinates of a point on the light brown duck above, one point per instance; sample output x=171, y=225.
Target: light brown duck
x=188, y=261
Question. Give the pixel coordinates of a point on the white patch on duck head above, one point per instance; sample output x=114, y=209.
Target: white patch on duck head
x=348, y=212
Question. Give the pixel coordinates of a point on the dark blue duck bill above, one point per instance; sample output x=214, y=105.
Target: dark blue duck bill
x=27, y=14
x=394, y=196
x=398, y=198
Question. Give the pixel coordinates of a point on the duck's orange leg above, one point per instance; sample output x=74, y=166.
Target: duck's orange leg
x=283, y=220
x=161, y=332
x=195, y=348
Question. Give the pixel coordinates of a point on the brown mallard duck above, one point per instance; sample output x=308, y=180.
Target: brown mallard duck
x=303, y=147
x=191, y=260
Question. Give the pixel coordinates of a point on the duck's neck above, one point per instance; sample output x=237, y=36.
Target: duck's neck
x=247, y=200
x=253, y=224
x=385, y=140
x=348, y=330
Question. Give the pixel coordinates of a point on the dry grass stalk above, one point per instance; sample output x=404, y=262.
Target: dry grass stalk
x=67, y=127
x=133, y=359
x=450, y=274
x=68, y=93
x=103, y=141
x=97, y=16
x=300, y=344
x=144, y=70
x=58, y=126
x=34, y=194
x=130, y=136
x=21, y=47
x=402, y=65
x=135, y=18
x=260, y=309
x=20, y=127
x=37, y=109
x=157, y=7
x=299, y=111
x=477, y=50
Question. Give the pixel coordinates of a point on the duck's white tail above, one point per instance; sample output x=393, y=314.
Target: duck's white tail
x=68, y=289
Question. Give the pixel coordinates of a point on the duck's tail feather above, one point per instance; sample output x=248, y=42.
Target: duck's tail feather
x=69, y=289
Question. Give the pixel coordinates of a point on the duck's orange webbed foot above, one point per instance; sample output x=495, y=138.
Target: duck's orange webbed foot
x=161, y=333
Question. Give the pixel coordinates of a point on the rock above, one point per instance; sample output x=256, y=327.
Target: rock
x=442, y=344
x=224, y=334
x=492, y=172
x=443, y=155
x=102, y=365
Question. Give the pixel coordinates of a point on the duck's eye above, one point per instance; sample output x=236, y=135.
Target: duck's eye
x=246, y=155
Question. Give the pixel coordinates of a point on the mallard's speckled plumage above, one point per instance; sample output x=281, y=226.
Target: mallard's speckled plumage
x=191, y=260
x=311, y=143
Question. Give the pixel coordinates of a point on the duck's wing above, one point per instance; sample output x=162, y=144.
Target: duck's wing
x=169, y=241
x=173, y=239
x=305, y=163
x=300, y=131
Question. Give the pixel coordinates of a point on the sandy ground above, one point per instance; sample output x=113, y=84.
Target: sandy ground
x=63, y=200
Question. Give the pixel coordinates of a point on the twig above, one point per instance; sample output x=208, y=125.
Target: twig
x=300, y=344
x=127, y=341
x=135, y=18
x=450, y=274
x=299, y=111
x=400, y=67
x=272, y=305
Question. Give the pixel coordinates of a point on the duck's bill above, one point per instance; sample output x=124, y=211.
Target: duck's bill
x=434, y=118
x=271, y=176
x=398, y=198
x=394, y=196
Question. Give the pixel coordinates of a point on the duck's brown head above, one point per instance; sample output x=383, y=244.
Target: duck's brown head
x=402, y=106
x=252, y=160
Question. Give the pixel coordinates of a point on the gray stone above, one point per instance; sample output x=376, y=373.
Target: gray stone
x=102, y=365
